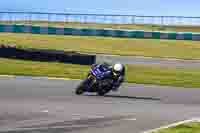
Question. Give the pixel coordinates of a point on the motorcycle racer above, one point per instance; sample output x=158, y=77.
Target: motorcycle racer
x=115, y=72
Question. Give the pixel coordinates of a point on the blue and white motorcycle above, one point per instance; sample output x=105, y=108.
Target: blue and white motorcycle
x=95, y=82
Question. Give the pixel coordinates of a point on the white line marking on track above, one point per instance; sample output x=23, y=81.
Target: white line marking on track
x=76, y=118
x=45, y=111
x=96, y=117
x=76, y=114
x=173, y=125
x=130, y=119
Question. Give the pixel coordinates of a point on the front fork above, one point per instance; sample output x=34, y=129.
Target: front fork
x=90, y=82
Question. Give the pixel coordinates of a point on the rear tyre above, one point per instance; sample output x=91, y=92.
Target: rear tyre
x=102, y=92
x=104, y=87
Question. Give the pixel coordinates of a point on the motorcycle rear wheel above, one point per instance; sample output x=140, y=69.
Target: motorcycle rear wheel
x=102, y=92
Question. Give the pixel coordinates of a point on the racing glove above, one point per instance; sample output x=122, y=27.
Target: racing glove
x=116, y=84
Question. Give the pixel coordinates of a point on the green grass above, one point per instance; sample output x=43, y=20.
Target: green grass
x=107, y=45
x=21, y=67
x=135, y=73
x=192, y=127
x=147, y=27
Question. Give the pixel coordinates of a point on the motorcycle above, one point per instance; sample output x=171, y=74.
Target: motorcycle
x=95, y=82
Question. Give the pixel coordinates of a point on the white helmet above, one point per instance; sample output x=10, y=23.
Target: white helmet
x=118, y=68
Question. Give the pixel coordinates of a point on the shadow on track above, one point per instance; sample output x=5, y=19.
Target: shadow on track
x=128, y=97
x=131, y=97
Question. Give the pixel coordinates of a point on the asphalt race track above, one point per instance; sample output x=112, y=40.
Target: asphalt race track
x=41, y=106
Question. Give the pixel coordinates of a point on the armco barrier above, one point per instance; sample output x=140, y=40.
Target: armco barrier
x=46, y=55
x=100, y=32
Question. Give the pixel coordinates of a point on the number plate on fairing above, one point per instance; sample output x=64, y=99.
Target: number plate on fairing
x=96, y=72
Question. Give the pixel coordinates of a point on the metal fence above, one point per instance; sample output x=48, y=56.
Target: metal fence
x=33, y=17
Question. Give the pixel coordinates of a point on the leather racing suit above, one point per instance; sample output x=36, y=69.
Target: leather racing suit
x=107, y=72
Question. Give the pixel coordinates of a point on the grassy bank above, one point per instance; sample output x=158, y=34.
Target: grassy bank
x=193, y=127
x=21, y=67
x=147, y=27
x=135, y=73
x=116, y=46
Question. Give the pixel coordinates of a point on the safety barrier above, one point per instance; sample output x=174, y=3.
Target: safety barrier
x=100, y=32
x=46, y=55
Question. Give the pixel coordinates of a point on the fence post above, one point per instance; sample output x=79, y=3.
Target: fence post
x=29, y=18
x=49, y=17
x=133, y=19
x=9, y=18
x=1, y=17
x=84, y=19
x=162, y=20
x=66, y=19
x=104, y=19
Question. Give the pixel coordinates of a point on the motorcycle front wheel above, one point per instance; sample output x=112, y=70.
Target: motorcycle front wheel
x=81, y=88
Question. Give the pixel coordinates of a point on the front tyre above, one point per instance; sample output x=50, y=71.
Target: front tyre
x=79, y=91
x=83, y=85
